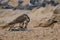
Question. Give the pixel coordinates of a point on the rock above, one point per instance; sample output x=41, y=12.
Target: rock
x=9, y=15
x=15, y=2
x=57, y=13
x=42, y=18
x=57, y=10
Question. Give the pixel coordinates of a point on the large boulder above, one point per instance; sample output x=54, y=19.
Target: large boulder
x=42, y=17
x=6, y=16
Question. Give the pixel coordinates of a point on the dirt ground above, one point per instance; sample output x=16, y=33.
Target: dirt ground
x=40, y=33
x=32, y=33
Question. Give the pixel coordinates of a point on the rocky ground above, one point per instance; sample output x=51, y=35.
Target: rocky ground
x=42, y=25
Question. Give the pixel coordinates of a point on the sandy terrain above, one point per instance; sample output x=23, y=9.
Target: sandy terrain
x=38, y=18
x=40, y=33
x=33, y=33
